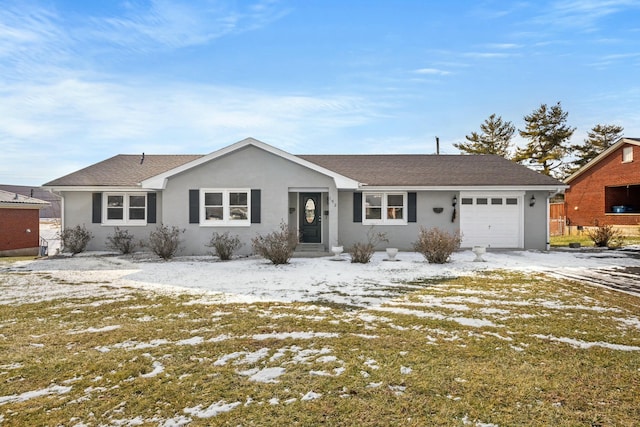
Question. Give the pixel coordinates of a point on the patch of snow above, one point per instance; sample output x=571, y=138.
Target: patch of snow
x=213, y=410
x=265, y=375
x=158, y=368
x=586, y=344
x=28, y=395
x=95, y=330
x=191, y=341
x=311, y=396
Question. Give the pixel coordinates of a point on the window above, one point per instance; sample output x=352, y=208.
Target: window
x=385, y=208
x=627, y=155
x=225, y=207
x=496, y=200
x=481, y=201
x=467, y=201
x=125, y=208
x=512, y=201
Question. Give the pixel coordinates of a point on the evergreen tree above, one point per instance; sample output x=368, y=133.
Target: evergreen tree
x=598, y=140
x=495, y=138
x=548, y=135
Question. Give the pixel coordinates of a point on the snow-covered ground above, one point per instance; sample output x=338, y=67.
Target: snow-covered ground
x=304, y=279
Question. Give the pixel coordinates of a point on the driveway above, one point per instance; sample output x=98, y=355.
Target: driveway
x=621, y=278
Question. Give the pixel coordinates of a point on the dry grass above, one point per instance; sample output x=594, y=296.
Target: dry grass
x=585, y=240
x=485, y=349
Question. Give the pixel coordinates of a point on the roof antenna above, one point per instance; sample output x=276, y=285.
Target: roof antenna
x=437, y=145
x=142, y=158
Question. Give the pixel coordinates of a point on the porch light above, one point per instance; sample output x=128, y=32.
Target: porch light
x=454, y=202
x=532, y=201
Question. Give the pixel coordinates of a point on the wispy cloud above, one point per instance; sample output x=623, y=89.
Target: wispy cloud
x=583, y=14
x=432, y=71
x=169, y=24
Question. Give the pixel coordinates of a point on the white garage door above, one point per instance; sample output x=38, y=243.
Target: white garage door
x=493, y=220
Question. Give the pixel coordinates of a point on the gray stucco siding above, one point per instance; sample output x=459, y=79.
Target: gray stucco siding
x=401, y=236
x=536, y=232
x=78, y=210
x=250, y=168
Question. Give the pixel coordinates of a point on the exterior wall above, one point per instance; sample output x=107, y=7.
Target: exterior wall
x=585, y=199
x=536, y=217
x=400, y=236
x=77, y=209
x=14, y=238
x=249, y=167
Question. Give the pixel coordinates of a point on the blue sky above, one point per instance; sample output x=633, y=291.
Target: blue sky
x=81, y=81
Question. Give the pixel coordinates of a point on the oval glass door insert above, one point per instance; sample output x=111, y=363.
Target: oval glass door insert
x=310, y=211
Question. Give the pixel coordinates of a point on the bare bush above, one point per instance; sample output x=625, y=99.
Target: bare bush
x=362, y=252
x=76, y=239
x=224, y=245
x=277, y=246
x=437, y=245
x=606, y=236
x=121, y=241
x=164, y=241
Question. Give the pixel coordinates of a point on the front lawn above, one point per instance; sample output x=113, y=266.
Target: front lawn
x=494, y=349
x=585, y=241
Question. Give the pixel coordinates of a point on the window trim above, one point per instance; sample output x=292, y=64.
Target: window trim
x=384, y=220
x=125, y=209
x=226, y=208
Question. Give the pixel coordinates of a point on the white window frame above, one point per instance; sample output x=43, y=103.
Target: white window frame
x=126, y=206
x=385, y=220
x=226, y=220
x=627, y=154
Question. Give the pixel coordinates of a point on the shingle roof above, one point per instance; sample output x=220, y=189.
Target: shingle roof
x=431, y=170
x=373, y=170
x=122, y=170
x=11, y=199
x=52, y=210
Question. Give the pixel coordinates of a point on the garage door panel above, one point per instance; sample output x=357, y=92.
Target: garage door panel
x=491, y=220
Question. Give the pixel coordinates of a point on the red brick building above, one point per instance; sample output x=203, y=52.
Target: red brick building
x=19, y=224
x=606, y=191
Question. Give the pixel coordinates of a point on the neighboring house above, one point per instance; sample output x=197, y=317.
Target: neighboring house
x=251, y=188
x=51, y=211
x=606, y=191
x=19, y=224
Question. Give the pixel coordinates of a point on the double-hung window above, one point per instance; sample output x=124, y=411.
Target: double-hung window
x=225, y=207
x=384, y=208
x=125, y=208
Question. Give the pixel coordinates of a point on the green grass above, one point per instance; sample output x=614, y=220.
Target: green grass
x=584, y=240
x=419, y=360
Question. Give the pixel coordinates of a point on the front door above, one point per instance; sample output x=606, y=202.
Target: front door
x=310, y=228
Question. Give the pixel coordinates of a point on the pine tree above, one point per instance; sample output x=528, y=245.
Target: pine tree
x=598, y=140
x=495, y=138
x=548, y=136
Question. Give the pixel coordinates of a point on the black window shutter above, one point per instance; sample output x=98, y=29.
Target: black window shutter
x=412, y=209
x=151, y=208
x=96, y=214
x=194, y=206
x=357, y=207
x=255, y=206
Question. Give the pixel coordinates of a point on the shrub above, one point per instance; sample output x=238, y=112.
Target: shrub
x=277, y=246
x=362, y=252
x=605, y=236
x=165, y=241
x=121, y=241
x=224, y=245
x=75, y=240
x=437, y=245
